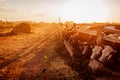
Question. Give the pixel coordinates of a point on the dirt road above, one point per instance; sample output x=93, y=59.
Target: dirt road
x=32, y=56
x=40, y=55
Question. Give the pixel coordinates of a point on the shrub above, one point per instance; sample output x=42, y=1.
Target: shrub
x=21, y=28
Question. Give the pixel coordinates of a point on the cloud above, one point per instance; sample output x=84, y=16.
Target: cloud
x=41, y=14
x=2, y=0
x=7, y=10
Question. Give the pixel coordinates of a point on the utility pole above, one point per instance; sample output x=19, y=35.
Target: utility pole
x=6, y=21
x=59, y=19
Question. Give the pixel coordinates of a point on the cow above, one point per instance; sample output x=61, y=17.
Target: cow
x=106, y=54
x=97, y=62
x=96, y=52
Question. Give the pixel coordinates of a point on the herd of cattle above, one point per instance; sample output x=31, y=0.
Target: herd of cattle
x=99, y=55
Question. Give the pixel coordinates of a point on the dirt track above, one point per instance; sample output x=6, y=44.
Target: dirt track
x=36, y=60
x=40, y=56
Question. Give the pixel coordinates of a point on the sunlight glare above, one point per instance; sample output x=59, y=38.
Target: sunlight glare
x=84, y=11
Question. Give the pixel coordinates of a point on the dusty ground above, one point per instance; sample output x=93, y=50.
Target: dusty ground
x=32, y=56
x=40, y=55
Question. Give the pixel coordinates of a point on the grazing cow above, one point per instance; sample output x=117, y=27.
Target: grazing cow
x=106, y=53
x=95, y=65
x=98, y=64
x=85, y=48
x=96, y=52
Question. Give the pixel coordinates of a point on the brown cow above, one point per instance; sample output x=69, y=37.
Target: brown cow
x=106, y=53
x=96, y=52
x=95, y=65
x=98, y=64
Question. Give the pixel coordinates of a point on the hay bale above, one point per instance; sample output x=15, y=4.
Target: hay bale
x=21, y=28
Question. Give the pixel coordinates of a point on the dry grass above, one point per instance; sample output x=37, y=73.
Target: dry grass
x=42, y=55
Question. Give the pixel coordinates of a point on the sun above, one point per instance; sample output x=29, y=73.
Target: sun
x=84, y=11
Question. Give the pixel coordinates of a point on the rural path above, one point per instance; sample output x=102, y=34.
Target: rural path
x=38, y=60
x=40, y=55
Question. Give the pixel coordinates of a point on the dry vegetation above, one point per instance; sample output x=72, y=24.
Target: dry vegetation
x=36, y=51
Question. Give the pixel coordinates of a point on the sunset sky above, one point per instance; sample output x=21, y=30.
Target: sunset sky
x=51, y=10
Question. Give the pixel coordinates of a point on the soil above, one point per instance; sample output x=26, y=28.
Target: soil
x=41, y=55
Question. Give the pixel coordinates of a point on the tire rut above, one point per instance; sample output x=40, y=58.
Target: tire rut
x=37, y=44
